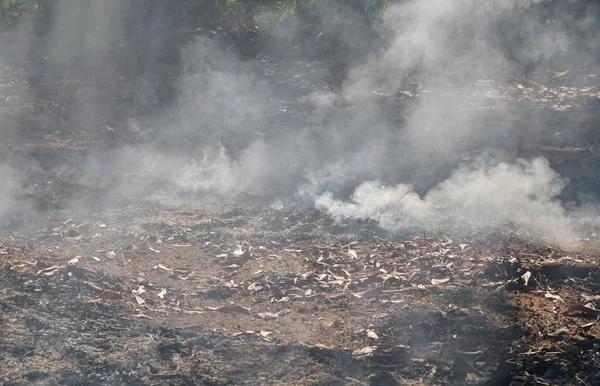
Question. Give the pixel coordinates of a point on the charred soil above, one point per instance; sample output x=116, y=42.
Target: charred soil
x=217, y=296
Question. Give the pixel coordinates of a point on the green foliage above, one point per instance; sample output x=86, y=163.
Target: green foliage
x=13, y=11
x=244, y=13
x=238, y=13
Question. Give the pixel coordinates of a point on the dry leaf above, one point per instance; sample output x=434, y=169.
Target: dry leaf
x=192, y=312
x=269, y=315
x=526, y=276
x=552, y=296
x=265, y=334
x=365, y=351
x=111, y=295
x=49, y=271
x=371, y=334
x=352, y=254
x=389, y=347
x=254, y=287
x=469, y=352
x=337, y=323
x=590, y=298
x=140, y=290
x=74, y=260
x=321, y=277
x=162, y=293
x=583, y=308
x=140, y=315
x=439, y=281
x=239, y=251
x=368, y=293
x=139, y=300
x=590, y=324
x=558, y=332
x=234, y=308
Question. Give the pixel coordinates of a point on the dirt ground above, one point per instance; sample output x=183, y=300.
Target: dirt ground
x=262, y=292
x=263, y=295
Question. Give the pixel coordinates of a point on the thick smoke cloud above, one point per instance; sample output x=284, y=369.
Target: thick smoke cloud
x=523, y=192
x=234, y=126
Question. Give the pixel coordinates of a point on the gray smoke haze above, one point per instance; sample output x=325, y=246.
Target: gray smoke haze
x=237, y=126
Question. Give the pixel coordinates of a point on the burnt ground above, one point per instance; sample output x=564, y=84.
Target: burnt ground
x=258, y=295
x=254, y=292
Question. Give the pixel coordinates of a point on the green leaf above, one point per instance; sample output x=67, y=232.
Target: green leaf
x=559, y=75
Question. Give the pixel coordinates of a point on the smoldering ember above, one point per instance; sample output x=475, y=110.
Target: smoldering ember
x=334, y=192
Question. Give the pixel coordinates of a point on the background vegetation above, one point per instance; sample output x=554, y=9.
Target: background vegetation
x=238, y=13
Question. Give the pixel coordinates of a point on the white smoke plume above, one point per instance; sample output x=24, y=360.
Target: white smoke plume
x=523, y=193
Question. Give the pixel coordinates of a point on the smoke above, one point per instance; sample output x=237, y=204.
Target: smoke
x=374, y=127
x=523, y=193
x=11, y=185
x=444, y=45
